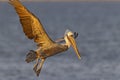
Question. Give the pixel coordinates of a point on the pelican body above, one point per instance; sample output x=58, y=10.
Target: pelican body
x=46, y=47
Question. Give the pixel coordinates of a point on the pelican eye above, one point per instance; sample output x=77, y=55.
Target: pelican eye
x=71, y=35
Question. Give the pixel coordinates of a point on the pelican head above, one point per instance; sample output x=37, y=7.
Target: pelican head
x=70, y=41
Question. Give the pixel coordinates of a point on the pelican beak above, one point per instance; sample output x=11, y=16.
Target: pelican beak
x=73, y=43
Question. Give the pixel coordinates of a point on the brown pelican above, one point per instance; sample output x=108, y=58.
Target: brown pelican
x=33, y=29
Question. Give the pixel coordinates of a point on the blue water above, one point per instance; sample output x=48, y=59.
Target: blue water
x=98, y=25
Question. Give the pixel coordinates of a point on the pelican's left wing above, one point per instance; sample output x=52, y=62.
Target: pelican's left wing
x=32, y=26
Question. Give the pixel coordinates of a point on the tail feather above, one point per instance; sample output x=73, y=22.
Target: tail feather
x=31, y=56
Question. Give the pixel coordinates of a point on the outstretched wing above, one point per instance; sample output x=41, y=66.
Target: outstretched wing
x=32, y=26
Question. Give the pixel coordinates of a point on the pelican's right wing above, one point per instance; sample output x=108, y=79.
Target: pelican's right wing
x=32, y=26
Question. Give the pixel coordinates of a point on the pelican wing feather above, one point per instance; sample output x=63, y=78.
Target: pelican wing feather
x=32, y=26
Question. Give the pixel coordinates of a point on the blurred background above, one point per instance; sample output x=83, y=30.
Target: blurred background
x=98, y=25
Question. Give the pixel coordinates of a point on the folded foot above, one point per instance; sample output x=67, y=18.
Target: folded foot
x=39, y=67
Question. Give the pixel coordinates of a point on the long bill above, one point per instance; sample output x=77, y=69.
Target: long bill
x=73, y=43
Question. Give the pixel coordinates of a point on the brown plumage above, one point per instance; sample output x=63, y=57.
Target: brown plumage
x=33, y=29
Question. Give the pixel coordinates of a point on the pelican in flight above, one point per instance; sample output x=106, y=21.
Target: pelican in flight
x=46, y=47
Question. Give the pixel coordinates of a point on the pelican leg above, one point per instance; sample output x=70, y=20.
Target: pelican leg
x=37, y=60
x=40, y=67
x=36, y=65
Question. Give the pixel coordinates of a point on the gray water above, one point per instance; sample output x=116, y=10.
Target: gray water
x=98, y=25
